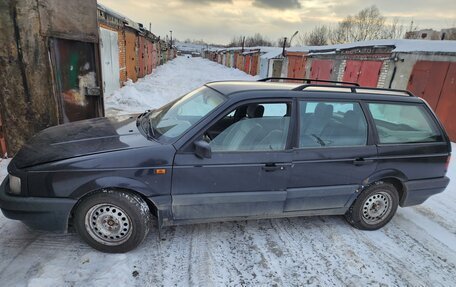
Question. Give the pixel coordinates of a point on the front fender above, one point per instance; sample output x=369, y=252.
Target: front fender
x=115, y=182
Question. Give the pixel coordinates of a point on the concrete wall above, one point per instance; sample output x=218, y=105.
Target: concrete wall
x=27, y=102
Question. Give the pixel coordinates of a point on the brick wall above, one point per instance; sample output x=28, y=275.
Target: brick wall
x=383, y=75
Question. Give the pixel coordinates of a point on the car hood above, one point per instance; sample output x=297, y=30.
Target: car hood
x=80, y=138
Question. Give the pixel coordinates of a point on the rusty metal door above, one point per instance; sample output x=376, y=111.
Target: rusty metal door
x=426, y=80
x=351, y=71
x=321, y=69
x=446, y=106
x=247, y=64
x=296, y=65
x=109, y=58
x=240, y=62
x=130, y=55
x=254, y=67
x=141, y=57
x=236, y=54
x=76, y=76
x=150, y=56
x=369, y=73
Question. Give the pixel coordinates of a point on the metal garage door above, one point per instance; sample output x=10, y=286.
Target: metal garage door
x=321, y=69
x=296, y=65
x=365, y=73
x=426, y=80
x=109, y=53
x=130, y=55
x=446, y=105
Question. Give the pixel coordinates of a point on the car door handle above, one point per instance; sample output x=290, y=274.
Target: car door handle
x=362, y=161
x=272, y=167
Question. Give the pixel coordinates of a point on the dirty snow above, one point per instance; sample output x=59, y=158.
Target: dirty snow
x=417, y=248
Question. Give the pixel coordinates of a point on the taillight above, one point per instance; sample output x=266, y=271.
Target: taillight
x=447, y=162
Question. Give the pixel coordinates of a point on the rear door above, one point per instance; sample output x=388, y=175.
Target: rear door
x=335, y=153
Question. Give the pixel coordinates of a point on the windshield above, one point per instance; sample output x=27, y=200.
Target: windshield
x=175, y=118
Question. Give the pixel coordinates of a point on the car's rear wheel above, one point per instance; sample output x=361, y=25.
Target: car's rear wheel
x=113, y=221
x=374, y=207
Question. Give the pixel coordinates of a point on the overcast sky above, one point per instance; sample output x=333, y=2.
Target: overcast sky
x=217, y=21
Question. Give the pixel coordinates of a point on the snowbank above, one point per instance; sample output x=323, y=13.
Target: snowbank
x=168, y=82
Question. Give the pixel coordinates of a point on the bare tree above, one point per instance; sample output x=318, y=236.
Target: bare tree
x=319, y=36
x=368, y=24
x=412, y=31
x=251, y=41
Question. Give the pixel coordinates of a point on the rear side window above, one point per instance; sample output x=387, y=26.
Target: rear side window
x=399, y=123
x=331, y=124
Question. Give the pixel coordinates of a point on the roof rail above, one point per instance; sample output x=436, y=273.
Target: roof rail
x=305, y=80
x=357, y=89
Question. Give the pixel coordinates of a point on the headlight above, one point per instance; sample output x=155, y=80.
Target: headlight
x=14, y=184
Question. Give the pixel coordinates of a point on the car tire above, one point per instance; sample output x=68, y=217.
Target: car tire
x=374, y=207
x=113, y=221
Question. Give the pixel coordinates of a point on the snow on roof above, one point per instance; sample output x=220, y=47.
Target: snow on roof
x=400, y=45
x=111, y=12
x=272, y=53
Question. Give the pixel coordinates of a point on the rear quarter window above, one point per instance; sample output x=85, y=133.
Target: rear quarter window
x=403, y=123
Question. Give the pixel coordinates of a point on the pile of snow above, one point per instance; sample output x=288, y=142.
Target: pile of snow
x=168, y=82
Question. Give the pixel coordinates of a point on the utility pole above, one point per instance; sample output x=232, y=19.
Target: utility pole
x=171, y=33
x=243, y=43
x=284, y=45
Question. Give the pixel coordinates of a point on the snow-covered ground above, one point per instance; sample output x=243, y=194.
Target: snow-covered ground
x=168, y=82
x=417, y=248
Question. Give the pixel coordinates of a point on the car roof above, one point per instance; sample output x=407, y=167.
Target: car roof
x=230, y=88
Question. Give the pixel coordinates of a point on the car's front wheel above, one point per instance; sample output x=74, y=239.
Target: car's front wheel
x=374, y=207
x=113, y=221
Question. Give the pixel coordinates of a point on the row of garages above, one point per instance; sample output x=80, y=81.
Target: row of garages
x=426, y=68
x=127, y=49
x=61, y=58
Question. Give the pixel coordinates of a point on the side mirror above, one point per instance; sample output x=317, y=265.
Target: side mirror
x=202, y=149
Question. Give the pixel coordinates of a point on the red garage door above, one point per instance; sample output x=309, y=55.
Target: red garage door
x=351, y=72
x=446, y=105
x=247, y=64
x=426, y=80
x=321, y=69
x=296, y=65
x=365, y=73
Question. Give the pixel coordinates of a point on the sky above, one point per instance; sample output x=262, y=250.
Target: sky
x=218, y=21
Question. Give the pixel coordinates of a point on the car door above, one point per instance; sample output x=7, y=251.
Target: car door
x=334, y=155
x=248, y=170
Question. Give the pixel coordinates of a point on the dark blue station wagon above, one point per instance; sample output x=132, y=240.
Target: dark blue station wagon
x=231, y=151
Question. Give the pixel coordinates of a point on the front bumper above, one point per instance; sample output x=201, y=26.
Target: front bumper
x=42, y=213
x=417, y=191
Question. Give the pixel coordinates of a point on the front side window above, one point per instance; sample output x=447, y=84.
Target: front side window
x=400, y=123
x=251, y=127
x=331, y=124
x=173, y=119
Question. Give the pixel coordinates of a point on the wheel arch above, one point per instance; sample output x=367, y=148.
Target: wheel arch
x=150, y=203
x=392, y=176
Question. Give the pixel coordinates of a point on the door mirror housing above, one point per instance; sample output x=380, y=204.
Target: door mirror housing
x=202, y=149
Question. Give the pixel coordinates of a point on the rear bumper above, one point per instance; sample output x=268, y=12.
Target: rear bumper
x=37, y=212
x=417, y=191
